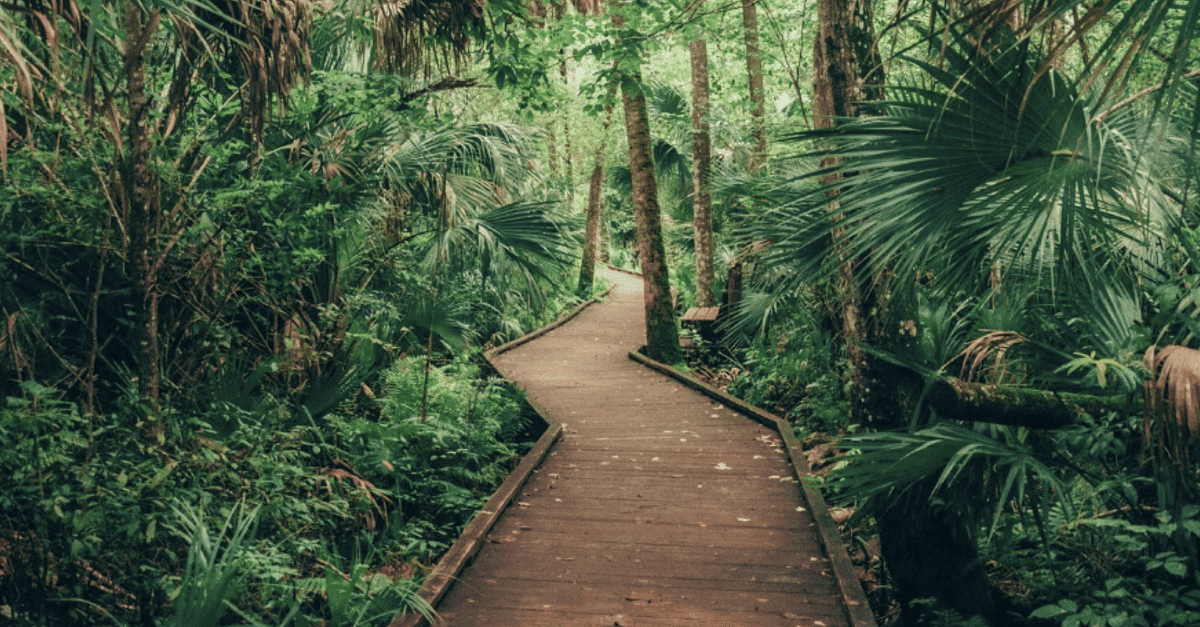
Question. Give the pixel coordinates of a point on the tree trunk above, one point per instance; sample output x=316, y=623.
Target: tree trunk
x=552, y=149
x=836, y=89
x=701, y=165
x=591, y=233
x=568, y=161
x=959, y=400
x=754, y=71
x=662, y=336
x=142, y=201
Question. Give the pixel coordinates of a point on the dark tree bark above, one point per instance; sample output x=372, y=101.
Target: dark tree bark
x=701, y=166
x=929, y=551
x=662, y=333
x=591, y=232
x=844, y=33
x=568, y=154
x=142, y=201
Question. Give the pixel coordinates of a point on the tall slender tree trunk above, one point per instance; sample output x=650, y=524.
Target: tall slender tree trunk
x=552, y=148
x=843, y=58
x=754, y=72
x=591, y=232
x=662, y=334
x=701, y=166
x=142, y=200
x=568, y=155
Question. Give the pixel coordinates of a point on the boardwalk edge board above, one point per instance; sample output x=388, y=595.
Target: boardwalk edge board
x=437, y=583
x=858, y=609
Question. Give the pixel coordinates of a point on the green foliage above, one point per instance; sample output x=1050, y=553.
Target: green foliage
x=256, y=510
x=1148, y=584
x=211, y=578
x=796, y=375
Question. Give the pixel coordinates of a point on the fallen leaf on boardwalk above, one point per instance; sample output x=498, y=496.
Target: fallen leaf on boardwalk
x=722, y=466
x=800, y=509
x=740, y=519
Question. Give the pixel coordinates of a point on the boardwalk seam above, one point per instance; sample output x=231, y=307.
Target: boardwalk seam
x=437, y=583
x=858, y=609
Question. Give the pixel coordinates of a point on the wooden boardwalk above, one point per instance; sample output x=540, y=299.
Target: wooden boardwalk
x=659, y=506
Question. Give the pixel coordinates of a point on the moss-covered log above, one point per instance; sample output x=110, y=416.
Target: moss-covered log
x=953, y=399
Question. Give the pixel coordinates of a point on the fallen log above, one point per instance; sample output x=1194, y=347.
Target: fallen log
x=954, y=399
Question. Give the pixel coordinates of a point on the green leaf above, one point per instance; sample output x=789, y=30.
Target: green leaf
x=1048, y=611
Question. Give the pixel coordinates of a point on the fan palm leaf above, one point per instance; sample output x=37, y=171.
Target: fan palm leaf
x=984, y=163
x=995, y=468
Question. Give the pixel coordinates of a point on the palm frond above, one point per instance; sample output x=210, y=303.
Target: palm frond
x=1174, y=391
x=530, y=238
x=984, y=163
x=989, y=469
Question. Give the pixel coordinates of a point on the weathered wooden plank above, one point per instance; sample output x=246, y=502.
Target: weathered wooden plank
x=567, y=618
x=639, y=598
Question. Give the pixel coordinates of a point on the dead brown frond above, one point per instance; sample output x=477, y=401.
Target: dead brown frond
x=334, y=480
x=405, y=28
x=1172, y=425
x=992, y=347
x=271, y=46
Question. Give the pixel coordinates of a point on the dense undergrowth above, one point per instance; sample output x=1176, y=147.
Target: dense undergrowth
x=289, y=517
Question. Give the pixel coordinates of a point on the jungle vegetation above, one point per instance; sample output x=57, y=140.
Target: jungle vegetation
x=250, y=251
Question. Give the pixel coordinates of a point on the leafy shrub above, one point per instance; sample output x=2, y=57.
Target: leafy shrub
x=797, y=377
x=1146, y=582
x=87, y=503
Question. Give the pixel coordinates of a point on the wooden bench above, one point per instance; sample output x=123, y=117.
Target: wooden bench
x=696, y=316
x=703, y=320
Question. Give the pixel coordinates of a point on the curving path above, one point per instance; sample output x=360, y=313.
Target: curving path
x=658, y=507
